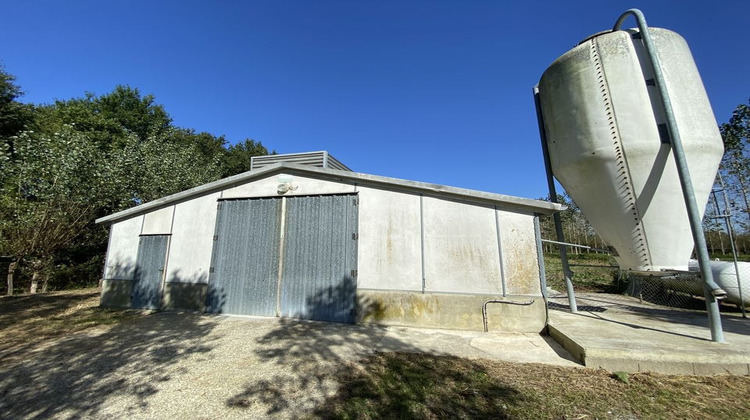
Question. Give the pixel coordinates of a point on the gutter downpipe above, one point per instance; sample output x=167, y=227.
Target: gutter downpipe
x=553, y=198
x=711, y=290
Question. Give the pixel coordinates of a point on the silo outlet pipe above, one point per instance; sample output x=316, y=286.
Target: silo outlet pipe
x=712, y=291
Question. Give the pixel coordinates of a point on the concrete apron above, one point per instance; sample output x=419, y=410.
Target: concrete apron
x=618, y=333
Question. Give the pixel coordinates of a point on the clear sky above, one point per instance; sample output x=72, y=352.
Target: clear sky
x=434, y=91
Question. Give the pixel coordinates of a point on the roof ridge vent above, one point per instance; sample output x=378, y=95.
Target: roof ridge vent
x=320, y=159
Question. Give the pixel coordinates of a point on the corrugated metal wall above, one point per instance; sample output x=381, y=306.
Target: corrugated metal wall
x=245, y=258
x=320, y=258
x=318, y=278
x=152, y=254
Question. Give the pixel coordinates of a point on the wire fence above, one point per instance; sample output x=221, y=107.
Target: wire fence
x=682, y=290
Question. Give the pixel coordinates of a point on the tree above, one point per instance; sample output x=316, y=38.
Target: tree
x=54, y=186
x=237, y=159
x=67, y=163
x=736, y=162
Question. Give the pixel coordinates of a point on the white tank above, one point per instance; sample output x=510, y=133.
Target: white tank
x=725, y=276
x=609, y=149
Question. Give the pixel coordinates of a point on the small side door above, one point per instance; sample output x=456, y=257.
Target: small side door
x=149, y=271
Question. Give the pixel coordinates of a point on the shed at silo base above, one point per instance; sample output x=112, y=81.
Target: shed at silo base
x=299, y=241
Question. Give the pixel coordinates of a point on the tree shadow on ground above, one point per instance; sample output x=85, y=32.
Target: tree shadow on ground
x=75, y=376
x=316, y=364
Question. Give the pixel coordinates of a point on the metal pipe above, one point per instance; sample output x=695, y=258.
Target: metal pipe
x=553, y=198
x=509, y=302
x=712, y=291
x=548, y=241
x=500, y=253
x=421, y=230
x=542, y=270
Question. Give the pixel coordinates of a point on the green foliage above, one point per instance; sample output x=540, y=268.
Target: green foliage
x=735, y=165
x=67, y=163
x=238, y=156
x=623, y=377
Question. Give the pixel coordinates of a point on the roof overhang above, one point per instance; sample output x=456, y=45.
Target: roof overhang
x=500, y=201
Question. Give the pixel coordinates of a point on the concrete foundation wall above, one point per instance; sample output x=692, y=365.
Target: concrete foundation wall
x=449, y=311
x=390, y=255
x=192, y=240
x=268, y=187
x=116, y=293
x=185, y=296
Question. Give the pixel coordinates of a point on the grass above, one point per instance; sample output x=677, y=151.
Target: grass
x=421, y=386
x=585, y=279
x=418, y=386
x=33, y=320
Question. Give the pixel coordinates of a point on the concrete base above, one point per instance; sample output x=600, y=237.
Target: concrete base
x=185, y=296
x=449, y=311
x=116, y=293
x=618, y=333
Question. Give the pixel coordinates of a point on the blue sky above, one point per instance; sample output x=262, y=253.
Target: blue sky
x=434, y=91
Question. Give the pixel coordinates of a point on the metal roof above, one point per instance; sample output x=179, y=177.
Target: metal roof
x=501, y=201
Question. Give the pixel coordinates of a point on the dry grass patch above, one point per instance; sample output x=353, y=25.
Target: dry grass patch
x=408, y=385
x=30, y=321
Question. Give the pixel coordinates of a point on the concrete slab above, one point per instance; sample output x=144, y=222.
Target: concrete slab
x=508, y=347
x=620, y=333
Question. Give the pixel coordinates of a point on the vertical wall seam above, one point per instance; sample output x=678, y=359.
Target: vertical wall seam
x=421, y=230
x=540, y=256
x=282, y=235
x=163, y=281
x=169, y=244
x=500, y=252
x=107, y=255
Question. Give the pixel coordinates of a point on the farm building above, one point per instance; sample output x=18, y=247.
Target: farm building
x=302, y=236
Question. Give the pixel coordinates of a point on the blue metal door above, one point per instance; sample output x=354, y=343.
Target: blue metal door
x=320, y=258
x=149, y=271
x=245, y=262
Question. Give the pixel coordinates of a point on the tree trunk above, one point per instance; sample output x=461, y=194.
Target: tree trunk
x=45, y=282
x=36, y=266
x=11, y=273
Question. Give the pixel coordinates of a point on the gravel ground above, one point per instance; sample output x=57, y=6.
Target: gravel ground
x=176, y=365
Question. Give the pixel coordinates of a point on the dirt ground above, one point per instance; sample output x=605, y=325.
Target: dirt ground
x=63, y=357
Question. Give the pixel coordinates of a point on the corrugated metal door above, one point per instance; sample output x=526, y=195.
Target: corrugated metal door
x=245, y=260
x=149, y=271
x=320, y=258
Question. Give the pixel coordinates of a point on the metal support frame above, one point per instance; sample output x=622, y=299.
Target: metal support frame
x=712, y=291
x=553, y=198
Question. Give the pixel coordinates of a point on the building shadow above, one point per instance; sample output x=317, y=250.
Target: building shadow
x=316, y=364
x=75, y=376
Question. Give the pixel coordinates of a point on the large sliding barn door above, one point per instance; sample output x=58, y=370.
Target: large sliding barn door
x=149, y=271
x=318, y=268
x=245, y=260
x=320, y=258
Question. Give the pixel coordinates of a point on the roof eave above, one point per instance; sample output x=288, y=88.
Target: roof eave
x=440, y=191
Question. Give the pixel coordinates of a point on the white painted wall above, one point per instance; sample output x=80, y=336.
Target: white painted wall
x=192, y=240
x=520, y=261
x=158, y=222
x=461, y=247
x=268, y=187
x=461, y=250
x=389, y=248
x=123, y=249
